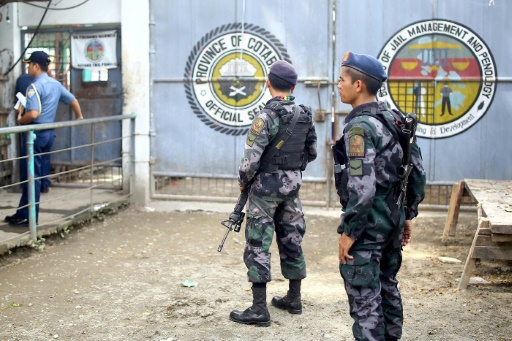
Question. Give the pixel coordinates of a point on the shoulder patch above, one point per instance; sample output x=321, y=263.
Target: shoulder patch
x=357, y=146
x=257, y=126
x=30, y=93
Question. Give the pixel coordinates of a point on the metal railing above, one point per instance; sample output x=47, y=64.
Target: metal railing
x=93, y=167
x=223, y=189
x=319, y=193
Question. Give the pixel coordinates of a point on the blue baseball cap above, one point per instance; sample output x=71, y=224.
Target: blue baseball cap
x=38, y=57
x=365, y=64
x=285, y=71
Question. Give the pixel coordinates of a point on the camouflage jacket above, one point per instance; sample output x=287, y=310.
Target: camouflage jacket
x=282, y=183
x=373, y=161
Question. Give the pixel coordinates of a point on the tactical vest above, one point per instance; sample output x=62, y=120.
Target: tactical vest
x=341, y=166
x=292, y=155
x=341, y=159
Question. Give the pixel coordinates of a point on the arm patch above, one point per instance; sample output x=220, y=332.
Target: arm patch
x=356, y=167
x=357, y=146
x=256, y=128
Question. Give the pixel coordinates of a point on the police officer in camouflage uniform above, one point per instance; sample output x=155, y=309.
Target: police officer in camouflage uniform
x=373, y=227
x=273, y=170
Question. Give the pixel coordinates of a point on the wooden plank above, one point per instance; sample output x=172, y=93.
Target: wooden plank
x=504, y=240
x=484, y=241
x=494, y=215
x=501, y=238
x=490, y=190
x=484, y=232
x=453, y=212
x=468, y=267
x=489, y=252
x=480, y=211
x=483, y=222
x=495, y=196
x=501, y=229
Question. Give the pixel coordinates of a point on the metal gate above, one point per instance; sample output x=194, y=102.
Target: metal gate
x=209, y=61
x=442, y=55
x=99, y=93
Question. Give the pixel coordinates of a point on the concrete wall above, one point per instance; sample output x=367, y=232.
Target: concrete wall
x=92, y=12
x=9, y=53
x=9, y=50
x=136, y=89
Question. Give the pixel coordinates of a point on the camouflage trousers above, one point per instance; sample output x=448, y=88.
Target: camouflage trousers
x=372, y=290
x=285, y=217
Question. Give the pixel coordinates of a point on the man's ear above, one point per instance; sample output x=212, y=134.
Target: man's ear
x=267, y=82
x=360, y=86
x=293, y=88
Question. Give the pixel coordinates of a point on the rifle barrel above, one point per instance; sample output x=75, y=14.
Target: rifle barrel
x=236, y=218
x=221, y=245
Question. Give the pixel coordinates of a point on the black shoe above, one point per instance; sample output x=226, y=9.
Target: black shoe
x=11, y=217
x=18, y=222
x=293, y=305
x=45, y=189
x=252, y=315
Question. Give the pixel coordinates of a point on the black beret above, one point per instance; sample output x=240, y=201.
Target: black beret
x=285, y=71
x=366, y=64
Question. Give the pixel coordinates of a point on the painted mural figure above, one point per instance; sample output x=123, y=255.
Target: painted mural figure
x=272, y=166
x=446, y=92
x=417, y=96
x=374, y=224
x=419, y=93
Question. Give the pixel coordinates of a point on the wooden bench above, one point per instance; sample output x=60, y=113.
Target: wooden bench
x=493, y=238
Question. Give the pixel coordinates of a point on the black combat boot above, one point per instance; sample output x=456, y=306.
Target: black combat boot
x=291, y=301
x=256, y=314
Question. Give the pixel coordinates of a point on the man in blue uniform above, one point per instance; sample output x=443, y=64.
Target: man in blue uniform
x=43, y=97
x=22, y=84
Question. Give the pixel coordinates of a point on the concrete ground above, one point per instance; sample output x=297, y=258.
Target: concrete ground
x=63, y=205
x=58, y=209
x=154, y=273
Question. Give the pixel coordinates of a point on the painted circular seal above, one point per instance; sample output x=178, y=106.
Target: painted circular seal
x=442, y=71
x=225, y=75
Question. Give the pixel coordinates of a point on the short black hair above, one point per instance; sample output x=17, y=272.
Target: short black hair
x=278, y=83
x=372, y=85
x=44, y=67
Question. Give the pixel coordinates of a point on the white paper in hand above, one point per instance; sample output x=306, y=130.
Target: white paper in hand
x=22, y=101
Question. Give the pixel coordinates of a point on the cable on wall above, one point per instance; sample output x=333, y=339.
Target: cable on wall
x=58, y=9
x=28, y=45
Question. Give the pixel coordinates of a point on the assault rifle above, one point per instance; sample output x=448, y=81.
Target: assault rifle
x=408, y=131
x=236, y=218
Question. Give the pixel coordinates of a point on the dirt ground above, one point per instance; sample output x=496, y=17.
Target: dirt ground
x=121, y=279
